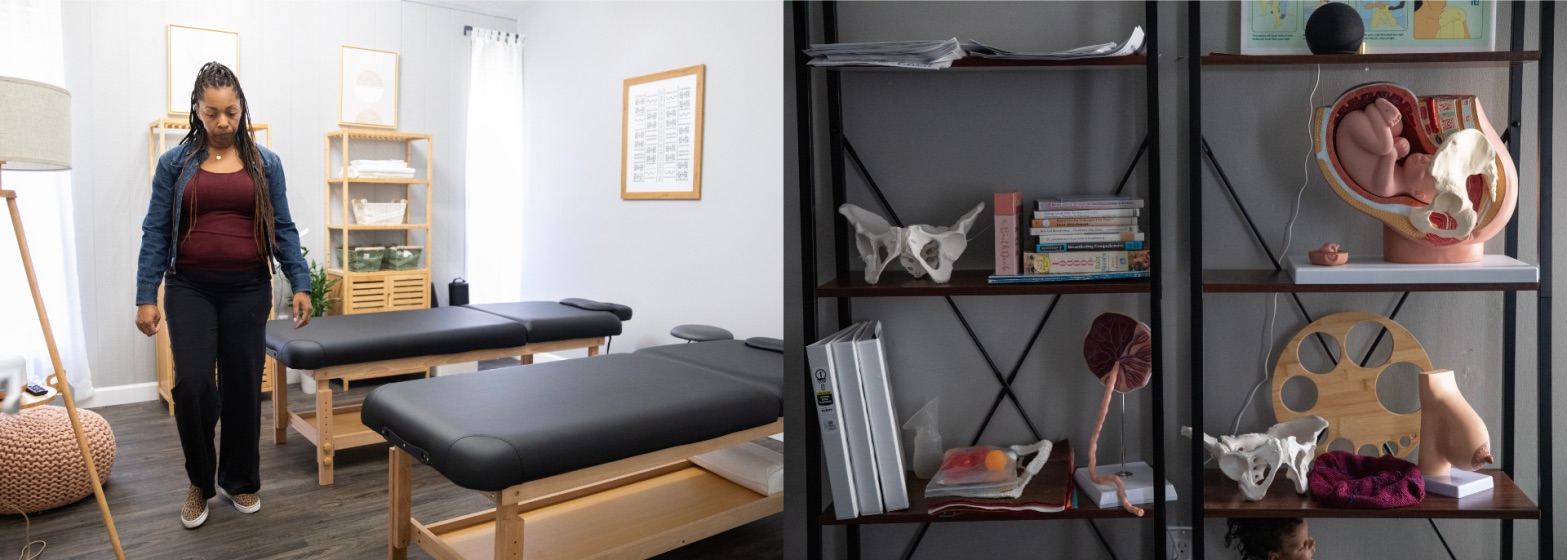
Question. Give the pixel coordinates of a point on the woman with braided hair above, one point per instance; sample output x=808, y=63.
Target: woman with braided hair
x=217, y=219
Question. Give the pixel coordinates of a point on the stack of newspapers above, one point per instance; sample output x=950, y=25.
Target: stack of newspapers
x=902, y=54
x=860, y=437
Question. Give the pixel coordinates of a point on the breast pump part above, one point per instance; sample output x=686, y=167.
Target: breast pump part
x=927, y=448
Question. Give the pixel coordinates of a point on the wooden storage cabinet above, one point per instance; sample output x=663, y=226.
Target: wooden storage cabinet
x=381, y=290
x=374, y=292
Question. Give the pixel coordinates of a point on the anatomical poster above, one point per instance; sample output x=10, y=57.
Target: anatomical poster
x=1401, y=26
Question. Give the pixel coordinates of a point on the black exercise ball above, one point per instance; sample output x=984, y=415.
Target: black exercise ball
x=1335, y=28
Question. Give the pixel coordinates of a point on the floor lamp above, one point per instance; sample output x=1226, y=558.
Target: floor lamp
x=35, y=135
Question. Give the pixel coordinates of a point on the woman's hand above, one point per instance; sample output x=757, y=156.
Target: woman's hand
x=148, y=319
x=302, y=309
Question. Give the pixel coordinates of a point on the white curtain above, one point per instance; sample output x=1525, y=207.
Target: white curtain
x=32, y=48
x=495, y=170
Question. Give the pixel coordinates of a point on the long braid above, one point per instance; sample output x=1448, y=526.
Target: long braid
x=214, y=75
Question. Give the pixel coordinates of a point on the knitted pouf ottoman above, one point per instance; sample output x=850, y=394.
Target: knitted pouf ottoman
x=41, y=464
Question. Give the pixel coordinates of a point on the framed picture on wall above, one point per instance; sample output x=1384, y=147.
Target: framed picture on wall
x=661, y=135
x=367, y=88
x=189, y=49
x=1278, y=26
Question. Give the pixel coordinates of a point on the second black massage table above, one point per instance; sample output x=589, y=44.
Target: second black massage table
x=351, y=347
x=591, y=456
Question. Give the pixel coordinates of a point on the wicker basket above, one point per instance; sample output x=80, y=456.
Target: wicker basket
x=379, y=213
x=404, y=257
x=365, y=259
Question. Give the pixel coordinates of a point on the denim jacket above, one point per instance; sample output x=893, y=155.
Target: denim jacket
x=160, y=245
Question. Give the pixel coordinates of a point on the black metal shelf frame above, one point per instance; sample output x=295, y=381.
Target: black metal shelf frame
x=1202, y=152
x=839, y=148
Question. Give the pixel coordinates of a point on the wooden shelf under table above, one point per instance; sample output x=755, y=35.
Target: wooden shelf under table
x=1268, y=281
x=347, y=429
x=1222, y=498
x=1480, y=58
x=916, y=512
x=969, y=283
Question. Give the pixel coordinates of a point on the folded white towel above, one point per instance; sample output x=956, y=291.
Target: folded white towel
x=356, y=173
x=748, y=464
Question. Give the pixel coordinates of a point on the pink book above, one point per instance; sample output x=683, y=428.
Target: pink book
x=1009, y=210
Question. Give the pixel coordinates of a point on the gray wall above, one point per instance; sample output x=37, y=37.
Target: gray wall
x=115, y=68
x=937, y=143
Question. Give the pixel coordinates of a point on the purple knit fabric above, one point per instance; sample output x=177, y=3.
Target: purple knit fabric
x=1345, y=480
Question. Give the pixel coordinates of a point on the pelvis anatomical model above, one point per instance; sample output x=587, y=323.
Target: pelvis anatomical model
x=1431, y=168
x=1252, y=460
x=921, y=249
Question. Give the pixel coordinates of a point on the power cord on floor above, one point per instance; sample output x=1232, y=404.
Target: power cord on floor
x=1289, y=237
x=27, y=536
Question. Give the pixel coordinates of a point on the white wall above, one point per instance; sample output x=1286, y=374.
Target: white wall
x=115, y=63
x=715, y=261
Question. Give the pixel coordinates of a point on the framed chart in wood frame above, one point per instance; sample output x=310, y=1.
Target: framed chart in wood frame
x=189, y=48
x=367, y=87
x=661, y=135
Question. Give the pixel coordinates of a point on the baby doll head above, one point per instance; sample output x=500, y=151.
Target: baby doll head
x=1271, y=539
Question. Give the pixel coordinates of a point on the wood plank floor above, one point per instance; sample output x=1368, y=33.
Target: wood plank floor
x=298, y=518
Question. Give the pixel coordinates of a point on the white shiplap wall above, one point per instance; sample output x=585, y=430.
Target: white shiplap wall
x=115, y=63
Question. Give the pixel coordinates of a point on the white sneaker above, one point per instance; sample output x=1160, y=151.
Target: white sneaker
x=245, y=503
x=194, y=512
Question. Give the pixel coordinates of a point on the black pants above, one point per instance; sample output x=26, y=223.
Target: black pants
x=218, y=319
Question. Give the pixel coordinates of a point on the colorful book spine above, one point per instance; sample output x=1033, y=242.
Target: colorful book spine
x=1090, y=246
x=1089, y=203
x=1112, y=213
x=1008, y=214
x=1069, y=230
x=1081, y=262
x=1037, y=278
x=1088, y=237
x=1078, y=222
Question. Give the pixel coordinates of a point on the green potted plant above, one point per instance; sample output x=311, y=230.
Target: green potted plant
x=320, y=287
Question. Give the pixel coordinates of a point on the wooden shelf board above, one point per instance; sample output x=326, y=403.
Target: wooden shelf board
x=637, y=520
x=897, y=283
x=364, y=227
x=378, y=180
x=1484, y=58
x=1268, y=281
x=341, y=272
x=367, y=134
x=916, y=512
x=1222, y=498
x=172, y=123
x=977, y=63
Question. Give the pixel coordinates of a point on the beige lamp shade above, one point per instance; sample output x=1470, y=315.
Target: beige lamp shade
x=35, y=126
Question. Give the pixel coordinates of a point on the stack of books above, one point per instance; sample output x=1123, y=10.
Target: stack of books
x=1083, y=238
x=861, y=441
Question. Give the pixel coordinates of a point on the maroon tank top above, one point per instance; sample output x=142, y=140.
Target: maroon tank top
x=217, y=227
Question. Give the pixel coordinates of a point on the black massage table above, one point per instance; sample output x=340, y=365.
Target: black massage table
x=591, y=455
x=350, y=347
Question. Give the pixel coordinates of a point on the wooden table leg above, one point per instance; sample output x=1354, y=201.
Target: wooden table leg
x=525, y=359
x=399, y=488
x=508, y=529
x=324, y=448
x=279, y=403
x=593, y=351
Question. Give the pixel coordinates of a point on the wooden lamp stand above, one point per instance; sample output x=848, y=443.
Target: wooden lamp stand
x=58, y=380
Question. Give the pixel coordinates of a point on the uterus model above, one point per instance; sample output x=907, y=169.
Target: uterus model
x=1432, y=169
x=1253, y=460
x=921, y=249
x=1452, y=437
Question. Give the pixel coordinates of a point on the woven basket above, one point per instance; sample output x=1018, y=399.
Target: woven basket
x=379, y=213
x=365, y=259
x=41, y=465
x=404, y=257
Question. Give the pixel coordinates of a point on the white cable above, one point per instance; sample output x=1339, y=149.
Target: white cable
x=1289, y=237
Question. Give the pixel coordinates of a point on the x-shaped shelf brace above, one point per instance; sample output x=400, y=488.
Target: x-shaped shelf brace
x=1005, y=391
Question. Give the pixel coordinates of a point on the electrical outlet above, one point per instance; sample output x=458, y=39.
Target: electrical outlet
x=1180, y=540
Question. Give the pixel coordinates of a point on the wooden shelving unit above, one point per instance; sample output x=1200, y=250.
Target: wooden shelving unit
x=383, y=290
x=917, y=507
x=163, y=357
